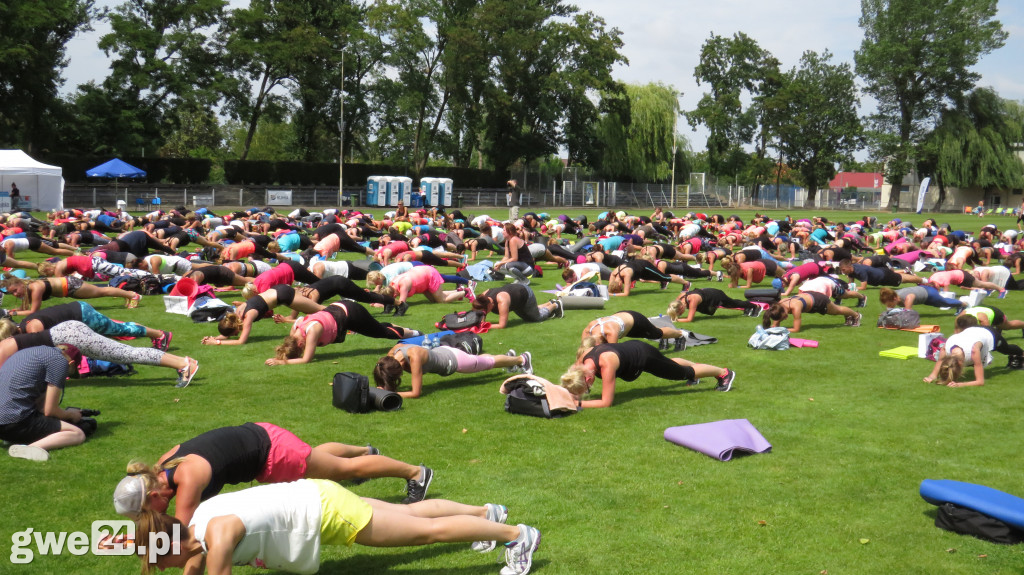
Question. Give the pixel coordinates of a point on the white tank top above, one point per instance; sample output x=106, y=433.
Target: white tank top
x=282, y=525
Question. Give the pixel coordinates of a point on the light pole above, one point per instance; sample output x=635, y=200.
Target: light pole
x=341, y=134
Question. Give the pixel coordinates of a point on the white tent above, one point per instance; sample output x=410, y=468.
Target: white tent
x=42, y=186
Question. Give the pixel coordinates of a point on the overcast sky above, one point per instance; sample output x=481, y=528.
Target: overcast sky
x=662, y=40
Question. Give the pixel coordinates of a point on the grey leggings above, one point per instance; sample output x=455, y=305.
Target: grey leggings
x=94, y=345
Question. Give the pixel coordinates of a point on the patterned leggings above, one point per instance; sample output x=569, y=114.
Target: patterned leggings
x=103, y=325
x=94, y=345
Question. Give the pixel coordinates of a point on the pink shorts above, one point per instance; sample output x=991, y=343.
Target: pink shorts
x=287, y=458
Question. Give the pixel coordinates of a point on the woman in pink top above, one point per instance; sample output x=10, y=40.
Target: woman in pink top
x=390, y=248
x=330, y=326
x=960, y=278
x=419, y=280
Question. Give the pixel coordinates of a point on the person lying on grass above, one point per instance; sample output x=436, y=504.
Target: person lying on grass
x=442, y=360
x=971, y=345
x=627, y=323
x=812, y=302
x=256, y=308
x=282, y=527
x=330, y=326
x=197, y=469
x=628, y=361
x=706, y=301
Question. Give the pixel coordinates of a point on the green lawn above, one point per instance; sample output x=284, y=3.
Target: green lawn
x=853, y=435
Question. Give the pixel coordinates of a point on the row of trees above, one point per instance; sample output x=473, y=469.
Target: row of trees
x=489, y=83
x=470, y=82
x=915, y=61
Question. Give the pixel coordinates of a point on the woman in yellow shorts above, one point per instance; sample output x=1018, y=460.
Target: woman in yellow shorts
x=282, y=526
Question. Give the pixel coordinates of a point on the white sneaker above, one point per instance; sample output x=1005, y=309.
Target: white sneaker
x=519, y=553
x=29, y=452
x=498, y=514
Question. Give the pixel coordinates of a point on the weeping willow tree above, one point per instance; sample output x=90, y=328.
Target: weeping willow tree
x=974, y=145
x=637, y=135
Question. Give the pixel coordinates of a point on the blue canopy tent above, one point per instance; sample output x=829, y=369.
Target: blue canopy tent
x=117, y=169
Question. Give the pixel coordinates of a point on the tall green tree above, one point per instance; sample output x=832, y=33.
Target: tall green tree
x=532, y=48
x=734, y=69
x=260, y=45
x=638, y=139
x=33, y=45
x=164, y=56
x=917, y=56
x=819, y=127
x=325, y=36
x=974, y=145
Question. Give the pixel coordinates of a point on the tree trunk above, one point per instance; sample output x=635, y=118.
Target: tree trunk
x=942, y=192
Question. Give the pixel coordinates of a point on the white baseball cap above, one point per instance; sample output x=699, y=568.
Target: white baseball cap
x=129, y=496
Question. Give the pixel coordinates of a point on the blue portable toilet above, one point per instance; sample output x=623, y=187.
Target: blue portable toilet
x=392, y=191
x=445, y=186
x=376, y=188
x=432, y=190
x=404, y=190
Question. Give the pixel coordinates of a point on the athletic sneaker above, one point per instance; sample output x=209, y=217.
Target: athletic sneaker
x=389, y=308
x=186, y=373
x=416, y=490
x=498, y=514
x=680, y=344
x=519, y=553
x=527, y=366
x=133, y=302
x=664, y=285
x=663, y=344
x=719, y=276
x=725, y=382
x=512, y=368
x=856, y=321
x=164, y=341
x=559, y=311
x=401, y=308
x=29, y=452
x=863, y=302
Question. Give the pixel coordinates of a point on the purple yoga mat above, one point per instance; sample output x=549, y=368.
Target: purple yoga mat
x=719, y=439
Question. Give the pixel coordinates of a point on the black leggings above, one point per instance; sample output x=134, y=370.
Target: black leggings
x=347, y=244
x=687, y=271
x=642, y=327
x=662, y=366
x=359, y=320
x=335, y=286
x=302, y=274
x=431, y=260
x=1003, y=346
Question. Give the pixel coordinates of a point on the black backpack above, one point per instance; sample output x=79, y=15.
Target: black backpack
x=899, y=318
x=468, y=342
x=967, y=521
x=521, y=401
x=352, y=392
x=461, y=320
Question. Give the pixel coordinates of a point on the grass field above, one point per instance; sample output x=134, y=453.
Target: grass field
x=853, y=435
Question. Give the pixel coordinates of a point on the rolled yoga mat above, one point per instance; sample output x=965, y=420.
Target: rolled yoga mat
x=582, y=302
x=992, y=502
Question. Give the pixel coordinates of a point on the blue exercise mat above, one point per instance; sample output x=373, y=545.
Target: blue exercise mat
x=992, y=502
x=419, y=339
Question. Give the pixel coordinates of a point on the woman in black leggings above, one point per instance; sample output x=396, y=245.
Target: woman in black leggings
x=707, y=301
x=629, y=360
x=330, y=326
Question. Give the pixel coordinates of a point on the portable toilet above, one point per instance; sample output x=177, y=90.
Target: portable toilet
x=405, y=190
x=392, y=197
x=376, y=188
x=431, y=189
x=445, y=186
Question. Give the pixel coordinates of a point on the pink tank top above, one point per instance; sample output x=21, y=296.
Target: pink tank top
x=330, y=331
